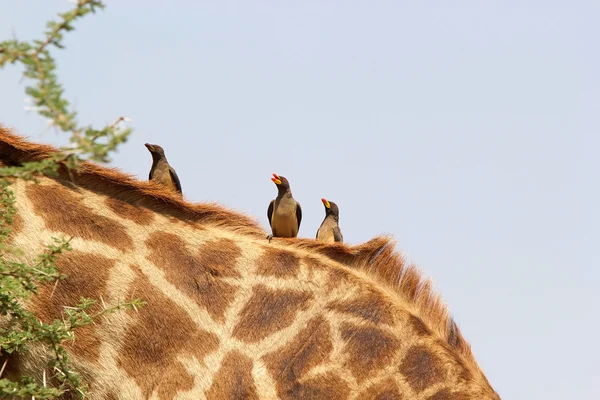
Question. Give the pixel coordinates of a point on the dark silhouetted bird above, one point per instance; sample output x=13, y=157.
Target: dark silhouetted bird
x=161, y=171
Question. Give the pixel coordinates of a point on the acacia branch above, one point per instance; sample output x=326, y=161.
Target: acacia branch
x=63, y=25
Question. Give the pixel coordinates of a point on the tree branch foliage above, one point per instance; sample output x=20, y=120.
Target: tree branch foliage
x=20, y=280
x=47, y=93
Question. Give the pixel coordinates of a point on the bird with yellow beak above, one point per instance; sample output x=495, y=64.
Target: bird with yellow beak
x=329, y=231
x=284, y=212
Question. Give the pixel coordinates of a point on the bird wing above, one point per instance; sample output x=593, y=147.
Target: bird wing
x=298, y=214
x=270, y=211
x=337, y=234
x=175, y=179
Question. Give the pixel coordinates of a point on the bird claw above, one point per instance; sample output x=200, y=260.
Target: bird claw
x=269, y=238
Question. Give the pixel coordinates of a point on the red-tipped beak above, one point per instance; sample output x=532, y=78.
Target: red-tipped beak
x=276, y=179
x=326, y=203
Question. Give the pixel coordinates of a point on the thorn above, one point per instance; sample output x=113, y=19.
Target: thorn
x=54, y=288
x=3, y=366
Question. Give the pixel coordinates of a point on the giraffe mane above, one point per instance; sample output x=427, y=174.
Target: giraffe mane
x=376, y=257
x=16, y=150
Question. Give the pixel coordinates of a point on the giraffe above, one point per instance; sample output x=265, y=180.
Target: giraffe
x=229, y=315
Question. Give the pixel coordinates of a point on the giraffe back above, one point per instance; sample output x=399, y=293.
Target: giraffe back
x=228, y=314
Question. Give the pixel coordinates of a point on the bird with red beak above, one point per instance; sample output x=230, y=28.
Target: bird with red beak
x=284, y=212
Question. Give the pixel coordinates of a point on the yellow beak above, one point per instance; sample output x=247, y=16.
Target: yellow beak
x=276, y=179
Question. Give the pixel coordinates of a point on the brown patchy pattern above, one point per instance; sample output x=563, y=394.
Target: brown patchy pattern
x=269, y=311
x=376, y=257
x=313, y=263
x=87, y=275
x=160, y=332
x=220, y=257
x=234, y=379
x=139, y=215
x=280, y=263
x=198, y=276
x=418, y=326
x=62, y=211
x=336, y=277
x=446, y=394
x=370, y=306
x=311, y=347
x=369, y=349
x=421, y=368
x=326, y=386
x=460, y=367
x=386, y=390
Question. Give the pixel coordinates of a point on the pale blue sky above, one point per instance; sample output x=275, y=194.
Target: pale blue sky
x=468, y=130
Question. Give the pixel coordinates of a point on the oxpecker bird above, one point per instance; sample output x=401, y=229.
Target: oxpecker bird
x=284, y=213
x=329, y=231
x=161, y=171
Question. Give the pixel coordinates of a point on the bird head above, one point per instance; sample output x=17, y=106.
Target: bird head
x=331, y=208
x=155, y=149
x=281, y=182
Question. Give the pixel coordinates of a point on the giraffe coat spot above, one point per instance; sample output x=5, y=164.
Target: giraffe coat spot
x=152, y=342
x=386, y=390
x=369, y=349
x=421, y=368
x=234, y=379
x=309, y=348
x=198, y=276
x=269, y=311
x=278, y=263
x=62, y=211
x=418, y=326
x=87, y=275
x=370, y=306
x=337, y=277
x=446, y=394
x=323, y=387
x=137, y=214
